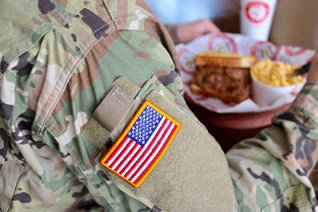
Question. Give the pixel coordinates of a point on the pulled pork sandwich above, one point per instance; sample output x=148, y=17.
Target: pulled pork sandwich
x=225, y=76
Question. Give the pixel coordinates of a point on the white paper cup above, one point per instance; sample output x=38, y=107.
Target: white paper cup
x=266, y=95
x=257, y=17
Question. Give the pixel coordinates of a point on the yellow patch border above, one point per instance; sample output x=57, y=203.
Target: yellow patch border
x=128, y=127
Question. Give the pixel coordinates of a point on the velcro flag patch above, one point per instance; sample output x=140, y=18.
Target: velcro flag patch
x=142, y=144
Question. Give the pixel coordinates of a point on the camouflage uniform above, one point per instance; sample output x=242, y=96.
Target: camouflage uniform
x=59, y=59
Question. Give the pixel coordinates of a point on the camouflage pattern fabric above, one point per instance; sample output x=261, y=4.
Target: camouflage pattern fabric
x=277, y=170
x=58, y=59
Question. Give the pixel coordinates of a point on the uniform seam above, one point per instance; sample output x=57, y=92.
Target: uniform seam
x=52, y=26
x=109, y=14
x=45, y=121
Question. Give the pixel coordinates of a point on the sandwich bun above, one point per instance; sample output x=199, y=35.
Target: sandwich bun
x=224, y=59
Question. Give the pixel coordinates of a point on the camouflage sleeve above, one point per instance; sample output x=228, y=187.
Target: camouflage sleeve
x=275, y=171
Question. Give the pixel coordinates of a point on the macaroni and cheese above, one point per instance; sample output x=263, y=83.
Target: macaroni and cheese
x=275, y=73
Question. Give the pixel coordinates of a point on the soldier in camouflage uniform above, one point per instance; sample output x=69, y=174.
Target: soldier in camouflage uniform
x=60, y=62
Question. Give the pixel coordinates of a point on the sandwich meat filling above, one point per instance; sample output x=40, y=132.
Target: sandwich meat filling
x=229, y=84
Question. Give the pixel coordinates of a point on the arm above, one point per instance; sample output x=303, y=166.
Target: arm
x=272, y=171
x=187, y=32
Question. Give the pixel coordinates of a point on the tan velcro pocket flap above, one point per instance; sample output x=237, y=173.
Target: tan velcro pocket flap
x=192, y=175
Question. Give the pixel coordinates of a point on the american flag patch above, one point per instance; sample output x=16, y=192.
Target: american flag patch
x=142, y=144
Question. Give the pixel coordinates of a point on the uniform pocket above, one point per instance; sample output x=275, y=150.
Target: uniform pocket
x=11, y=169
x=192, y=165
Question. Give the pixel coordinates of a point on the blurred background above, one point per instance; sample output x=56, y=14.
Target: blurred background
x=295, y=22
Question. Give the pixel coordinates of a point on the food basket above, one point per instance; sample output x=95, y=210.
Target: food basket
x=246, y=115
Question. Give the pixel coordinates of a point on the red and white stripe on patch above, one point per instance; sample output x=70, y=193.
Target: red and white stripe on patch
x=142, y=144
